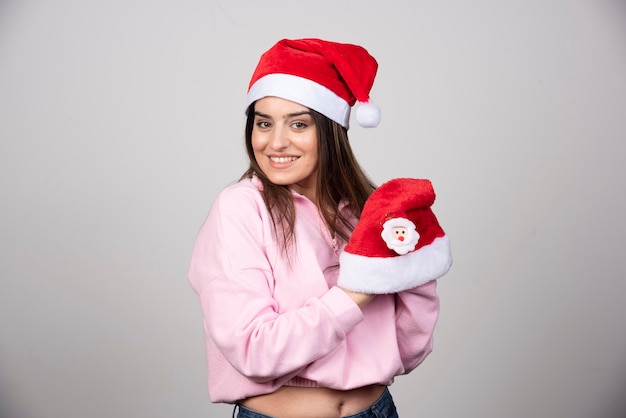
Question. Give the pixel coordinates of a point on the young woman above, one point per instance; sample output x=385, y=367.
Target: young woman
x=283, y=339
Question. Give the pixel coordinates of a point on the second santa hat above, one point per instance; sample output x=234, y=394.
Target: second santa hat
x=328, y=77
x=398, y=243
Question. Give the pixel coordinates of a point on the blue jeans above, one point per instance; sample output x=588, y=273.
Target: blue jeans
x=382, y=408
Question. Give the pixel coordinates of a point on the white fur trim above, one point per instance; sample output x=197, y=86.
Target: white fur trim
x=368, y=115
x=376, y=275
x=303, y=91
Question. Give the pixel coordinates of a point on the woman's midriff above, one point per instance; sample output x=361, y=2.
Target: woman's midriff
x=304, y=402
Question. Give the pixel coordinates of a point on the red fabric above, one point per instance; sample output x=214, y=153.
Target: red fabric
x=346, y=69
x=398, y=198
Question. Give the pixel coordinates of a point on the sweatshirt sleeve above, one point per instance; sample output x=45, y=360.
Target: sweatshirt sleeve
x=233, y=278
x=417, y=311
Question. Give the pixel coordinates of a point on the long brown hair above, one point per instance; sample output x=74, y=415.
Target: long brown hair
x=339, y=176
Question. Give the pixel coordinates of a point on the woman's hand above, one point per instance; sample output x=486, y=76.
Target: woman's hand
x=360, y=299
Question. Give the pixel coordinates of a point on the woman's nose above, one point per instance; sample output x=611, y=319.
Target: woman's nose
x=280, y=138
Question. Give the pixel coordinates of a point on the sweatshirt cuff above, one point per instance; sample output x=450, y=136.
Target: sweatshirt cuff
x=346, y=312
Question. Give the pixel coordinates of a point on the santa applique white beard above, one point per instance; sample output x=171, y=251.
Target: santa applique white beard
x=400, y=235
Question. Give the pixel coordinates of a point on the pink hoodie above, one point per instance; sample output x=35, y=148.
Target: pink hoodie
x=270, y=322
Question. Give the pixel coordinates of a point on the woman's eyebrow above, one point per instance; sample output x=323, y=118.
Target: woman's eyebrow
x=262, y=115
x=289, y=115
x=293, y=115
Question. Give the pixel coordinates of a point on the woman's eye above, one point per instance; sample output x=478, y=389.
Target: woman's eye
x=299, y=125
x=263, y=124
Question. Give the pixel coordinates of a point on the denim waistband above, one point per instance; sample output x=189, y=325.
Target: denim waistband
x=384, y=407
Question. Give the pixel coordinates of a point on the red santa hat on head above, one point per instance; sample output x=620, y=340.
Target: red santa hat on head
x=398, y=243
x=328, y=77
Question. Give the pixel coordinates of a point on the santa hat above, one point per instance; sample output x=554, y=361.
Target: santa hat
x=398, y=243
x=328, y=77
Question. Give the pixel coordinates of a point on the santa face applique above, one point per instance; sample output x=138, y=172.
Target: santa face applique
x=400, y=235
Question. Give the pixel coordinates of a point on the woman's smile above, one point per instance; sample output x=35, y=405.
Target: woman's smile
x=283, y=160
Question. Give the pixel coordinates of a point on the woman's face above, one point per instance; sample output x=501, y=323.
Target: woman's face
x=284, y=140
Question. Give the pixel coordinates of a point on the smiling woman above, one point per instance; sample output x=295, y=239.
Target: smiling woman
x=283, y=339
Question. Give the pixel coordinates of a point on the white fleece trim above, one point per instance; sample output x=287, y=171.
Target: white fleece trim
x=303, y=91
x=376, y=275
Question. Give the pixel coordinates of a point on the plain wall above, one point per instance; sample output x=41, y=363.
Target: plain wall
x=121, y=120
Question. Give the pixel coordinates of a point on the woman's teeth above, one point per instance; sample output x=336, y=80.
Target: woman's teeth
x=283, y=159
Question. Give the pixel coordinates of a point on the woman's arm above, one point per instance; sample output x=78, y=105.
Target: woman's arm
x=234, y=279
x=417, y=311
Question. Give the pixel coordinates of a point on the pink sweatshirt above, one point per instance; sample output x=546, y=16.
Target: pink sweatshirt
x=269, y=322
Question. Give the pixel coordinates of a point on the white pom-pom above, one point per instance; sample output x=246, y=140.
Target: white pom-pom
x=368, y=115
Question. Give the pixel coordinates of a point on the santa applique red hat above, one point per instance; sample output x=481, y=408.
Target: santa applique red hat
x=328, y=77
x=398, y=243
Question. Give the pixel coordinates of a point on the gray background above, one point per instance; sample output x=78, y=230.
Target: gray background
x=120, y=120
